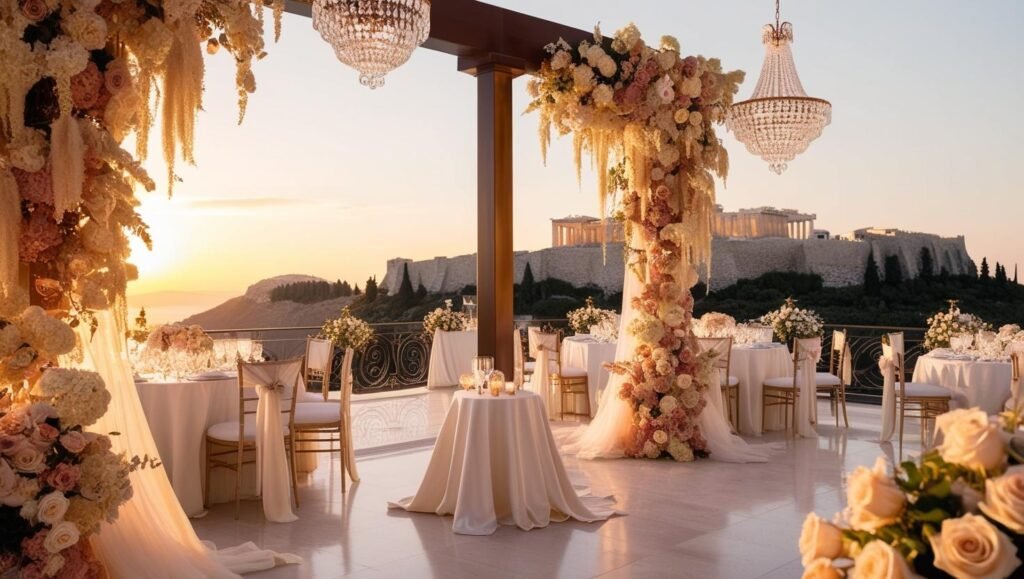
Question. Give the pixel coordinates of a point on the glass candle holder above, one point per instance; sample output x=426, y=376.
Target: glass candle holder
x=496, y=382
x=467, y=381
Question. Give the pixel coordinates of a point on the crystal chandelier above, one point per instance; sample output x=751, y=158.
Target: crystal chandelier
x=779, y=121
x=372, y=36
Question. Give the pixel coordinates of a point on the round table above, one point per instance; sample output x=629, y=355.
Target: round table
x=752, y=364
x=451, y=355
x=973, y=382
x=495, y=462
x=179, y=412
x=587, y=353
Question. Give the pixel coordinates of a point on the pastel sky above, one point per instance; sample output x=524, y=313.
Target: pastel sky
x=328, y=178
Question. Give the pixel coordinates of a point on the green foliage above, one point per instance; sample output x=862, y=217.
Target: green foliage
x=872, y=281
x=405, y=292
x=927, y=263
x=371, y=290
x=893, y=271
x=421, y=292
x=526, y=291
x=984, y=270
x=310, y=292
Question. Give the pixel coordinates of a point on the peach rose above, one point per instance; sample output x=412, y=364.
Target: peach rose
x=878, y=560
x=821, y=569
x=35, y=10
x=874, y=498
x=1004, y=499
x=972, y=547
x=29, y=459
x=61, y=536
x=74, y=442
x=970, y=440
x=819, y=539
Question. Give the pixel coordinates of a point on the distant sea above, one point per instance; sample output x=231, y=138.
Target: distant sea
x=173, y=306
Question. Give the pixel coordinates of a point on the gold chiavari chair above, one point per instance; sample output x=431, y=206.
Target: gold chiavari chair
x=729, y=383
x=914, y=399
x=228, y=442
x=783, y=391
x=570, y=383
x=833, y=382
x=317, y=369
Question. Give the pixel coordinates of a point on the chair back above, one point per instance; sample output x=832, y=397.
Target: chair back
x=894, y=350
x=520, y=363
x=280, y=375
x=319, y=358
x=722, y=347
x=539, y=340
x=346, y=382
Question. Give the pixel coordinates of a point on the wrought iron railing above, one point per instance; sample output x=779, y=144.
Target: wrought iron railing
x=399, y=356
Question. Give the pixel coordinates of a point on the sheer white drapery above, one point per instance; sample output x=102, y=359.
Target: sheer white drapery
x=887, y=365
x=607, y=433
x=808, y=351
x=275, y=384
x=152, y=537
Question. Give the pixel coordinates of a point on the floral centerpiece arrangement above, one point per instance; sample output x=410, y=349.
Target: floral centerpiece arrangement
x=581, y=320
x=444, y=319
x=959, y=512
x=792, y=323
x=650, y=113
x=347, y=331
x=944, y=326
x=179, y=338
x=714, y=325
x=608, y=330
x=57, y=481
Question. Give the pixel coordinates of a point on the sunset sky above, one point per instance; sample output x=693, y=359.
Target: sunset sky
x=328, y=178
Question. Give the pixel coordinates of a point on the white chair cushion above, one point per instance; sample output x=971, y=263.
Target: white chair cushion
x=779, y=382
x=730, y=382
x=307, y=397
x=228, y=431
x=924, y=390
x=317, y=413
x=530, y=367
x=573, y=372
x=826, y=379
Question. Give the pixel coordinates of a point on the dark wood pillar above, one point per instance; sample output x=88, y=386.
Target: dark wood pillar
x=495, y=258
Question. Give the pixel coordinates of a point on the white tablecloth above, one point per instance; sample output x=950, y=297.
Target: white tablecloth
x=451, y=355
x=495, y=461
x=179, y=414
x=981, y=383
x=752, y=365
x=586, y=353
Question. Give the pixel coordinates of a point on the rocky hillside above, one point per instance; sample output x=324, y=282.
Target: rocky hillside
x=255, y=310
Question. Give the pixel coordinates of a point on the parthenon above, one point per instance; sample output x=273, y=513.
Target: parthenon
x=743, y=224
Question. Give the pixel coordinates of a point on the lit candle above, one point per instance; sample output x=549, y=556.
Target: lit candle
x=467, y=381
x=496, y=382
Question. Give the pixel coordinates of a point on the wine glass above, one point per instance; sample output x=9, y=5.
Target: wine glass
x=482, y=368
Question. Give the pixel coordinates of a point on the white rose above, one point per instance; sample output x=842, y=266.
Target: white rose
x=972, y=547
x=660, y=436
x=878, y=560
x=52, y=507
x=28, y=459
x=819, y=539
x=874, y=498
x=1004, y=499
x=970, y=440
x=821, y=569
x=63, y=535
x=684, y=381
x=668, y=404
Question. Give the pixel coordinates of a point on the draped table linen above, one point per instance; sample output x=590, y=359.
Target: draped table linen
x=179, y=413
x=451, y=355
x=752, y=364
x=496, y=462
x=587, y=353
x=972, y=382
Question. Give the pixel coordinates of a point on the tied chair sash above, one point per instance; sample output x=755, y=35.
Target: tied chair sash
x=272, y=471
x=807, y=402
x=887, y=366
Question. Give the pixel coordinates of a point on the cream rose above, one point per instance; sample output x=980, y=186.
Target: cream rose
x=660, y=436
x=874, y=498
x=61, y=536
x=877, y=560
x=972, y=547
x=970, y=440
x=821, y=569
x=819, y=539
x=1004, y=499
x=52, y=507
x=603, y=95
x=28, y=459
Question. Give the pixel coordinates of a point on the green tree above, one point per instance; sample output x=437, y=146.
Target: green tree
x=527, y=287
x=1000, y=274
x=893, y=270
x=356, y=291
x=371, y=290
x=872, y=282
x=1015, y=274
x=405, y=291
x=421, y=291
x=927, y=263
x=984, y=269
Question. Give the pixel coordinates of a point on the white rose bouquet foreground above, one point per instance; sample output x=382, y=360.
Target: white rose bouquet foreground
x=945, y=325
x=649, y=113
x=959, y=512
x=582, y=320
x=444, y=319
x=792, y=323
x=347, y=331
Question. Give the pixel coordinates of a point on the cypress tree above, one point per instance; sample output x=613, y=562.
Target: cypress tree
x=356, y=291
x=1000, y=274
x=421, y=291
x=528, y=287
x=872, y=282
x=371, y=289
x=893, y=271
x=927, y=263
x=984, y=270
x=405, y=291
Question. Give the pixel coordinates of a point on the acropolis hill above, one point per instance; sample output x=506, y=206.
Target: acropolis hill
x=747, y=244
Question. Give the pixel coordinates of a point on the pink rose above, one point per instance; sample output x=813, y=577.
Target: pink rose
x=33, y=571
x=74, y=442
x=34, y=10
x=64, y=477
x=690, y=64
x=85, y=87
x=44, y=436
x=33, y=548
x=11, y=443
x=117, y=76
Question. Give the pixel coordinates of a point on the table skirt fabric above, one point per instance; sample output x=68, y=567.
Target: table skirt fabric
x=752, y=366
x=451, y=355
x=981, y=383
x=588, y=354
x=496, y=462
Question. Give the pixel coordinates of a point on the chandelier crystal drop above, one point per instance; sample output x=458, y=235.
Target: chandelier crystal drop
x=779, y=121
x=372, y=36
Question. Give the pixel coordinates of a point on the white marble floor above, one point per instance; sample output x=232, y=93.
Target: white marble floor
x=701, y=520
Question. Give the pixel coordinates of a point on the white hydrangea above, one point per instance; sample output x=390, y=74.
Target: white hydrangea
x=79, y=396
x=49, y=335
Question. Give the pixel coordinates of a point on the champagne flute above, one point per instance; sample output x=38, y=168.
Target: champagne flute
x=482, y=368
